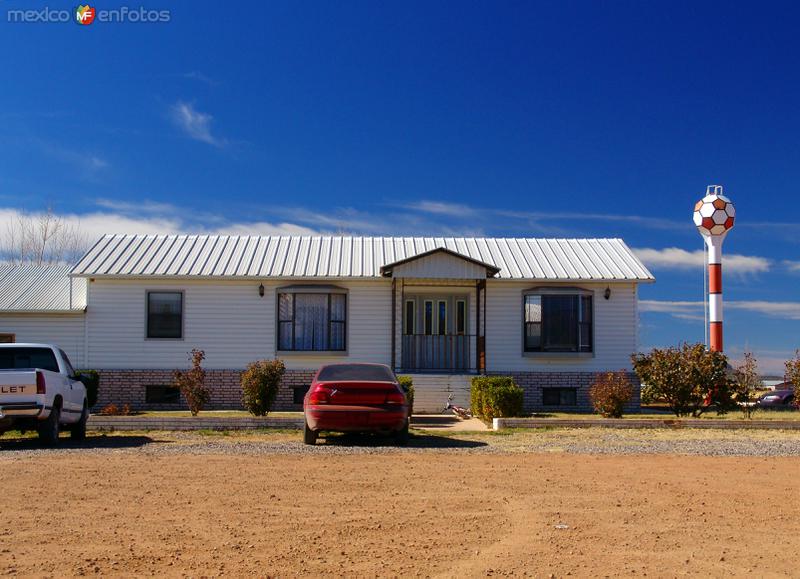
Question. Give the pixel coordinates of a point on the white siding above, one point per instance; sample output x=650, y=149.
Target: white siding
x=440, y=266
x=63, y=330
x=615, y=329
x=235, y=326
x=229, y=321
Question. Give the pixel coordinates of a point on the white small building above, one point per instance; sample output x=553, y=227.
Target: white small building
x=550, y=312
x=43, y=303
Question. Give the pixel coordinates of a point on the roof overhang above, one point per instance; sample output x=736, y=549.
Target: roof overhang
x=388, y=269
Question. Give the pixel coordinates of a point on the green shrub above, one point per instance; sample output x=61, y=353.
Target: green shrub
x=792, y=375
x=690, y=379
x=610, y=392
x=91, y=380
x=192, y=382
x=260, y=383
x=495, y=397
x=649, y=394
x=746, y=384
x=407, y=383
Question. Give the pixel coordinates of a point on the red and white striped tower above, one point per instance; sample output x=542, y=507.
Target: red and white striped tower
x=714, y=215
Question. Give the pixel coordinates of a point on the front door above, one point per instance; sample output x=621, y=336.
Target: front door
x=435, y=333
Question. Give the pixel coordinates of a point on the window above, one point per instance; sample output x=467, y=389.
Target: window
x=161, y=394
x=441, y=311
x=312, y=321
x=7, y=338
x=461, y=317
x=24, y=358
x=356, y=373
x=70, y=368
x=558, y=322
x=410, y=317
x=559, y=396
x=428, y=317
x=299, y=393
x=165, y=315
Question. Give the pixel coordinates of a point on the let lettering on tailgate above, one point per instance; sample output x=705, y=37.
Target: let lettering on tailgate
x=18, y=389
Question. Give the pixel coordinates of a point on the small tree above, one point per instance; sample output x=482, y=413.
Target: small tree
x=792, y=375
x=41, y=239
x=610, y=392
x=192, y=383
x=689, y=379
x=746, y=383
x=260, y=383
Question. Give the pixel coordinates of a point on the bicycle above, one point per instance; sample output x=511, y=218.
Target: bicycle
x=460, y=411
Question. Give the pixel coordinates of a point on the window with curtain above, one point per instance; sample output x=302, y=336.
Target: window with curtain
x=558, y=322
x=312, y=321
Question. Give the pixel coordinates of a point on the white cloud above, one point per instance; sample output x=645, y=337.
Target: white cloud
x=195, y=124
x=792, y=266
x=86, y=164
x=676, y=258
x=355, y=221
x=95, y=224
x=199, y=76
x=441, y=208
x=538, y=218
x=687, y=309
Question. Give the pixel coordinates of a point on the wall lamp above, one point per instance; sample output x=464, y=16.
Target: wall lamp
x=261, y=290
x=607, y=293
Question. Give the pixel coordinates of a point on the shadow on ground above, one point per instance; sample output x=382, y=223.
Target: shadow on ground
x=64, y=443
x=415, y=440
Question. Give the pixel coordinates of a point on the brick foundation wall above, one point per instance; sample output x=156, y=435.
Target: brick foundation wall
x=534, y=383
x=128, y=387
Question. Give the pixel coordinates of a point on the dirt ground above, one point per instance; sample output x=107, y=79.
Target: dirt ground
x=126, y=511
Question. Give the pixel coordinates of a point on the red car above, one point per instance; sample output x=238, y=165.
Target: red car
x=355, y=398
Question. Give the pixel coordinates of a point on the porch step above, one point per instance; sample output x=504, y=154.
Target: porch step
x=431, y=391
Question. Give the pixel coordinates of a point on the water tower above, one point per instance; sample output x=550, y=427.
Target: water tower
x=714, y=215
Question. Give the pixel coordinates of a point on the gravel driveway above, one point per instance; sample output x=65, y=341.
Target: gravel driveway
x=572, y=441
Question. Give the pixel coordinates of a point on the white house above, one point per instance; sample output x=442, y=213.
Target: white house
x=551, y=312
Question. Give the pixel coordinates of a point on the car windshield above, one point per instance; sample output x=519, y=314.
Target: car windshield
x=356, y=372
x=23, y=358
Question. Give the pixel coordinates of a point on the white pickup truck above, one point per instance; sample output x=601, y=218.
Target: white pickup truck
x=40, y=390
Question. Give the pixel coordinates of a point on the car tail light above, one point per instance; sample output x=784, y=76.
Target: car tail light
x=395, y=398
x=41, y=386
x=318, y=396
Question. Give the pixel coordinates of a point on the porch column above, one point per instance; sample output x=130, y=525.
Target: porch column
x=394, y=323
x=480, y=339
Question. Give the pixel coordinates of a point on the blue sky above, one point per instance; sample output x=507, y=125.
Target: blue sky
x=536, y=119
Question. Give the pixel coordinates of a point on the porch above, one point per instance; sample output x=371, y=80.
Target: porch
x=438, y=313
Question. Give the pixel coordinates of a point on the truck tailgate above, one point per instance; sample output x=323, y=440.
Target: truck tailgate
x=17, y=385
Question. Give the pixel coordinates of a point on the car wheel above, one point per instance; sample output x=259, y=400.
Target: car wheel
x=78, y=430
x=401, y=436
x=309, y=436
x=50, y=428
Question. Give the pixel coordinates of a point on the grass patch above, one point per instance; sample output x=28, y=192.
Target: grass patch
x=730, y=416
x=212, y=414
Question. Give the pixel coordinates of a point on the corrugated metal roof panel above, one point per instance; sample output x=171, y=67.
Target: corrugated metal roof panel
x=32, y=288
x=215, y=256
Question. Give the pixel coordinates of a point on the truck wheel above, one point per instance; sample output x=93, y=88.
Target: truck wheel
x=78, y=431
x=309, y=436
x=49, y=429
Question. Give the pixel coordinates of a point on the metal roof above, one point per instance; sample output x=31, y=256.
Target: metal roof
x=254, y=256
x=33, y=288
